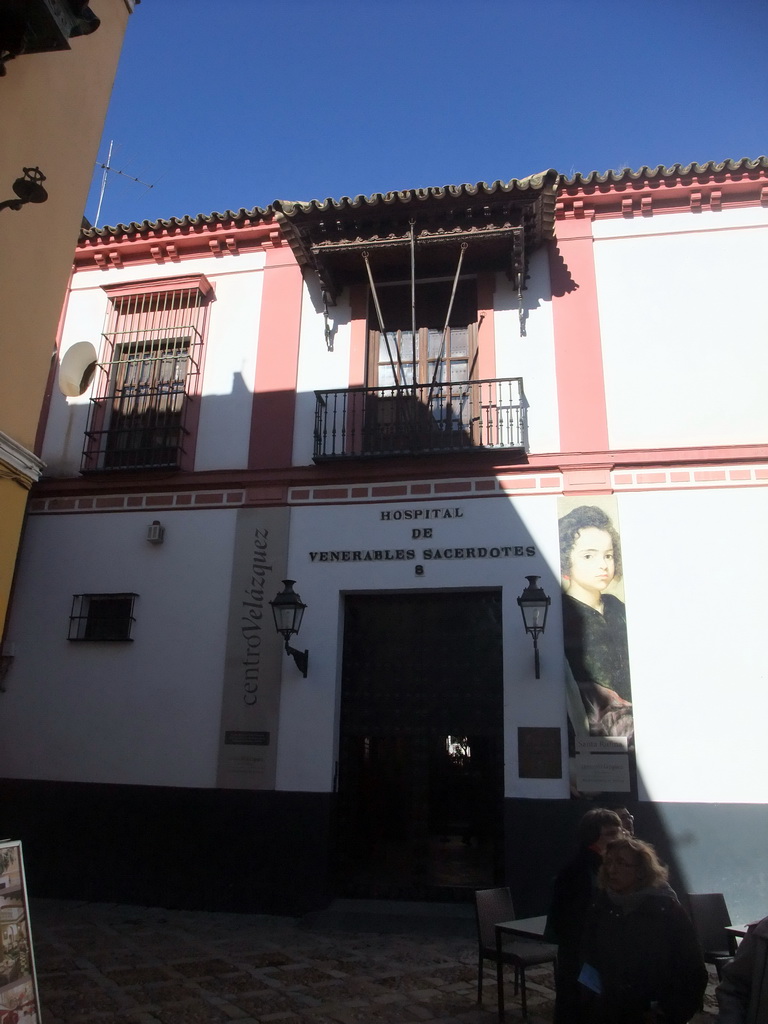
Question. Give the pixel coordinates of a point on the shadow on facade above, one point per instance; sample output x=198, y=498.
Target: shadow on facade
x=272, y=851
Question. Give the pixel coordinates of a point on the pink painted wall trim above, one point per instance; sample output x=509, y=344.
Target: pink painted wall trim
x=358, y=342
x=277, y=360
x=486, y=334
x=578, y=350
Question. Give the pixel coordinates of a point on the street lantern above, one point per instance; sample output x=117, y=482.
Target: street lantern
x=534, y=605
x=288, y=610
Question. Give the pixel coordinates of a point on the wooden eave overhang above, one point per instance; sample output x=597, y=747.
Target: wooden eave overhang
x=501, y=224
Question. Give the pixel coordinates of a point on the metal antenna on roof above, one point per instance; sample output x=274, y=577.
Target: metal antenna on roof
x=107, y=167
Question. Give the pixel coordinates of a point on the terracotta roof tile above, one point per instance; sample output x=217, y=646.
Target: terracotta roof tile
x=241, y=216
x=533, y=182
x=497, y=189
x=676, y=171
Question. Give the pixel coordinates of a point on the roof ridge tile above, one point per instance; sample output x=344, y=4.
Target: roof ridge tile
x=534, y=182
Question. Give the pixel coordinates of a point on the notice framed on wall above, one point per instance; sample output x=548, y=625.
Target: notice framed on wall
x=602, y=765
x=19, y=1000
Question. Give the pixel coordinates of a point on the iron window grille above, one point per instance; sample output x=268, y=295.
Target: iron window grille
x=148, y=377
x=102, y=617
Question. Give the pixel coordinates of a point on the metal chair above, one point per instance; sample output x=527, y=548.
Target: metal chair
x=710, y=918
x=491, y=907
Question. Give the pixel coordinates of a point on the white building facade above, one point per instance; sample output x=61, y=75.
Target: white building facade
x=397, y=402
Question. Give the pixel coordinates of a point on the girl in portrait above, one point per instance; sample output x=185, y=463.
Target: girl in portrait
x=594, y=621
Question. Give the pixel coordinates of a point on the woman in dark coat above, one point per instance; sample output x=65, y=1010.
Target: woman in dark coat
x=574, y=890
x=642, y=960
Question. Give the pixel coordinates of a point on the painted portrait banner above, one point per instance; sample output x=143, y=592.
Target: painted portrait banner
x=19, y=1001
x=254, y=658
x=600, y=716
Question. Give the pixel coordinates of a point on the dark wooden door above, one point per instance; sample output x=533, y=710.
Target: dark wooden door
x=420, y=784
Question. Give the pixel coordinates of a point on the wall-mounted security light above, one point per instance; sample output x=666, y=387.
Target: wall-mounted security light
x=534, y=605
x=288, y=610
x=156, y=532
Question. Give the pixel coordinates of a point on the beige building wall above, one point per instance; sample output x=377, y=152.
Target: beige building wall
x=52, y=109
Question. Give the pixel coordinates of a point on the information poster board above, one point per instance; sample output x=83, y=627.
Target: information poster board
x=601, y=729
x=250, y=707
x=19, y=1001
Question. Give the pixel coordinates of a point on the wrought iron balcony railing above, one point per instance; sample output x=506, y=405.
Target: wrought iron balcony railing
x=137, y=418
x=142, y=428
x=460, y=416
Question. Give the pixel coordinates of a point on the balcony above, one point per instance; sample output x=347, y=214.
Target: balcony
x=421, y=419
x=141, y=401
x=141, y=428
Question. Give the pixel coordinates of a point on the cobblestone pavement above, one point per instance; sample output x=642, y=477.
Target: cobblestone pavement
x=133, y=965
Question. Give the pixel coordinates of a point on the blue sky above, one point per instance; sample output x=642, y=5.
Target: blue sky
x=221, y=104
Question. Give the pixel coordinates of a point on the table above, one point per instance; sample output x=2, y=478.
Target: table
x=737, y=931
x=523, y=928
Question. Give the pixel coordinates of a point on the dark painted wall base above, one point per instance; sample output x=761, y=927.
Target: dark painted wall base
x=708, y=848
x=266, y=852
x=194, y=849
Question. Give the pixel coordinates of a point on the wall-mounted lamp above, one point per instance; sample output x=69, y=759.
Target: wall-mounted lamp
x=288, y=609
x=534, y=604
x=156, y=532
x=327, y=322
x=28, y=188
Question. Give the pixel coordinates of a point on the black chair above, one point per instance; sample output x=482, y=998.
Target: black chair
x=710, y=918
x=492, y=906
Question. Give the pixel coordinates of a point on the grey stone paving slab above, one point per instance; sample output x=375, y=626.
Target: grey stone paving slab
x=111, y=964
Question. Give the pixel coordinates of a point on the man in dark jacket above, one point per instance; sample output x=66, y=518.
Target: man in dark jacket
x=742, y=994
x=573, y=891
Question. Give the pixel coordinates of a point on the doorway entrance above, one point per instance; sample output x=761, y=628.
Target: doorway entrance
x=420, y=781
